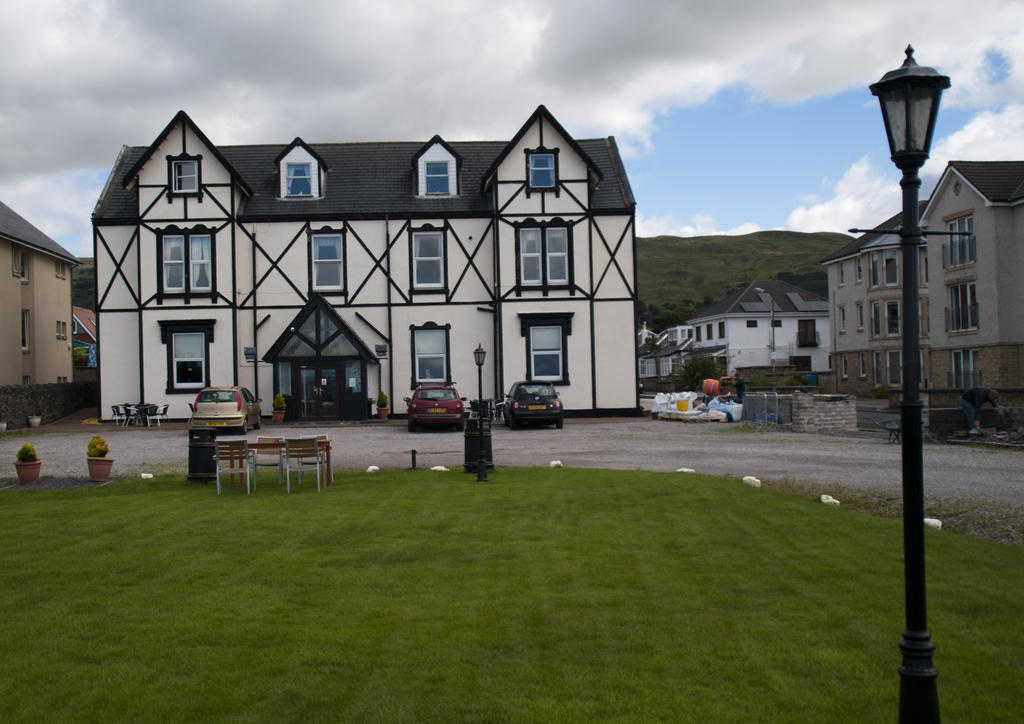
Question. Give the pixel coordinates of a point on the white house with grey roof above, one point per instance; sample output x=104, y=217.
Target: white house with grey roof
x=330, y=271
x=763, y=318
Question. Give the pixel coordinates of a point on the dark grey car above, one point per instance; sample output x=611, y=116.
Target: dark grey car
x=533, y=402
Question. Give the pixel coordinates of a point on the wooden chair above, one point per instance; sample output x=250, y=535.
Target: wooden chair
x=302, y=455
x=269, y=452
x=233, y=458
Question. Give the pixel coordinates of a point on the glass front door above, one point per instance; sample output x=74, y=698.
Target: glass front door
x=318, y=392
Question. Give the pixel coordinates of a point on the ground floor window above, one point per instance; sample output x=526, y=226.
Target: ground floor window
x=895, y=363
x=877, y=369
x=965, y=369
x=547, y=338
x=430, y=350
x=188, y=353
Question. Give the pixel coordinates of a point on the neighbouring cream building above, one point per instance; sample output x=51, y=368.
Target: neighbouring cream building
x=969, y=288
x=330, y=271
x=35, y=304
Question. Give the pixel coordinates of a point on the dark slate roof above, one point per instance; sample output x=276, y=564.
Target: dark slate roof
x=367, y=180
x=786, y=298
x=890, y=225
x=998, y=181
x=14, y=227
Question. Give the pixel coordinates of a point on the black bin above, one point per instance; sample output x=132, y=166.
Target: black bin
x=202, y=447
x=477, y=439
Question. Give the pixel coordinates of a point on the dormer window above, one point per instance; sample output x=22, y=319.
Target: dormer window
x=301, y=172
x=299, y=179
x=436, y=167
x=437, y=177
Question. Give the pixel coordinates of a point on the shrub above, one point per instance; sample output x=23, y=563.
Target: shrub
x=695, y=370
x=382, y=399
x=279, y=402
x=881, y=393
x=27, y=454
x=97, y=447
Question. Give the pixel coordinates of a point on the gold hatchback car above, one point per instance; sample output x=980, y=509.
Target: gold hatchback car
x=226, y=407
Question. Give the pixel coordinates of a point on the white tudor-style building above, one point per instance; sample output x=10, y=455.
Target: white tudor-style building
x=742, y=329
x=331, y=271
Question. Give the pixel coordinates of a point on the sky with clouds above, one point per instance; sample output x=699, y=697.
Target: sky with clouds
x=731, y=116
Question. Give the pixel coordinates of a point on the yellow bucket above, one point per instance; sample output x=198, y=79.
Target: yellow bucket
x=682, y=405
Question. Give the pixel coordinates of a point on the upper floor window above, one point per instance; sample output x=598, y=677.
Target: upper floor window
x=541, y=169
x=60, y=269
x=430, y=353
x=25, y=327
x=842, y=273
x=299, y=179
x=858, y=266
x=544, y=256
x=892, y=318
x=962, y=248
x=328, y=262
x=186, y=262
x=185, y=176
x=428, y=260
x=721, y=330
x=436, y=178
x=19, y=261
x=962, y=313
x=860, y=316
x=890, y=261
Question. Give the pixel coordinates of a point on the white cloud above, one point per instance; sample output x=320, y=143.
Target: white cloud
x=988, y=136
x=58, y=204
x=701, y=225
x=863, y=197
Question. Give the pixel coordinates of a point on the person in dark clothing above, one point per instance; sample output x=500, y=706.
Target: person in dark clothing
x=972, y=400
x=741, y=386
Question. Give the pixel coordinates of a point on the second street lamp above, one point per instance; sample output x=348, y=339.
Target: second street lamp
x=909, y=97
x=479, y=355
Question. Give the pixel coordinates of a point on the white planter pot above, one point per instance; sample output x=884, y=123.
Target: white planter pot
x=34, y=420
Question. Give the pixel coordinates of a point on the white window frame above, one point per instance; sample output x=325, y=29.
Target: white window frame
x=891, y=304
x=421, y=261
x=891, y=262
x=648, y=367
x=963, y=307
x=292, y=176
x=557, y=352
x=320, y=264
x=197, y=265
x=550, y=238
x=664, y=366
x=432, y=171
x=175, y=360
x=859, y=266
x=531, y=234
x=962, y=246
x=191, y=265
x=421, y=357
x=876, y=319
x=181, y=171
x=860, y=316
x=894, y=372
x=842, y=319
x=862, y=371
x=878, y=369
x=845, y=367
x=536, y=169
x=177, y=241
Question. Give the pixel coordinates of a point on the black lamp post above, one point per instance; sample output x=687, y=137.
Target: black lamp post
x=909, y=97
x=479, y=354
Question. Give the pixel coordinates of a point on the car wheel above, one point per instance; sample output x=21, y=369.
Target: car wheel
x=412, y=425
x=505, y=417
x=258, y=423
x=245, y=425
x=558, y=424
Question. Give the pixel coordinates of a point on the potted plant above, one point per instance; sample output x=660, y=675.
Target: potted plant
x=3, y=425
x=279, y=405
x=99, y=463
x=382, y=405
x=34, y=420
x=28, y=465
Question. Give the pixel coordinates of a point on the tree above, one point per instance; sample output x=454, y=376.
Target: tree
x=694, y=371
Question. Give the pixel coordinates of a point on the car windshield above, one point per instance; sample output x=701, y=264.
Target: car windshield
x=539, y=390
x=218, y=396
x=435, y=395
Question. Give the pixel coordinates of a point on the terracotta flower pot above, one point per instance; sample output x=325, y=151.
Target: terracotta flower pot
x=278, y=415
x=28, y=473
x=382, y=412
x=99, y=469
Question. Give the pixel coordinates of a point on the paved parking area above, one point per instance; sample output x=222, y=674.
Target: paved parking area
x=865, y=461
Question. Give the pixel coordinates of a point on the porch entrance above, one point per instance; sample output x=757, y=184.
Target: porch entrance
x=331, y=391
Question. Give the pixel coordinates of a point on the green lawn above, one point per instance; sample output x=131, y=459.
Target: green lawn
x=541, y=595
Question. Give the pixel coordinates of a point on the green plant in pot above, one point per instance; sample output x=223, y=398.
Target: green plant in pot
x=382, y=405
x=279, y=407
x=28, y=465
x=99, y=463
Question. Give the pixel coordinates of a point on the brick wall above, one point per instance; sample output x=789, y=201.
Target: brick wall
x=824, y=413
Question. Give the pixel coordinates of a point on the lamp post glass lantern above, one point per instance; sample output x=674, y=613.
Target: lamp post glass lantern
x=909, y=97
x=479, y=355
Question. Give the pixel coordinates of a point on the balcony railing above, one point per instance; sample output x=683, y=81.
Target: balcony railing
x=964, y=379
x=959, y=319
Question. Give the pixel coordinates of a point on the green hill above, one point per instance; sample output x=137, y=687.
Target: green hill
x=82, y=284
x=680, y=276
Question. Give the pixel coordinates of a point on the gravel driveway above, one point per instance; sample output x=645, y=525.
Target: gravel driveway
x=865, y=462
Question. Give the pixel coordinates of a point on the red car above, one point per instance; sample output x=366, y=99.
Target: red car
x=436, y=405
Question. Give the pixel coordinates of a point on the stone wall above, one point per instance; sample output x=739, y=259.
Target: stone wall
x=51, y=401
x=824, y=413
x=943, y=422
